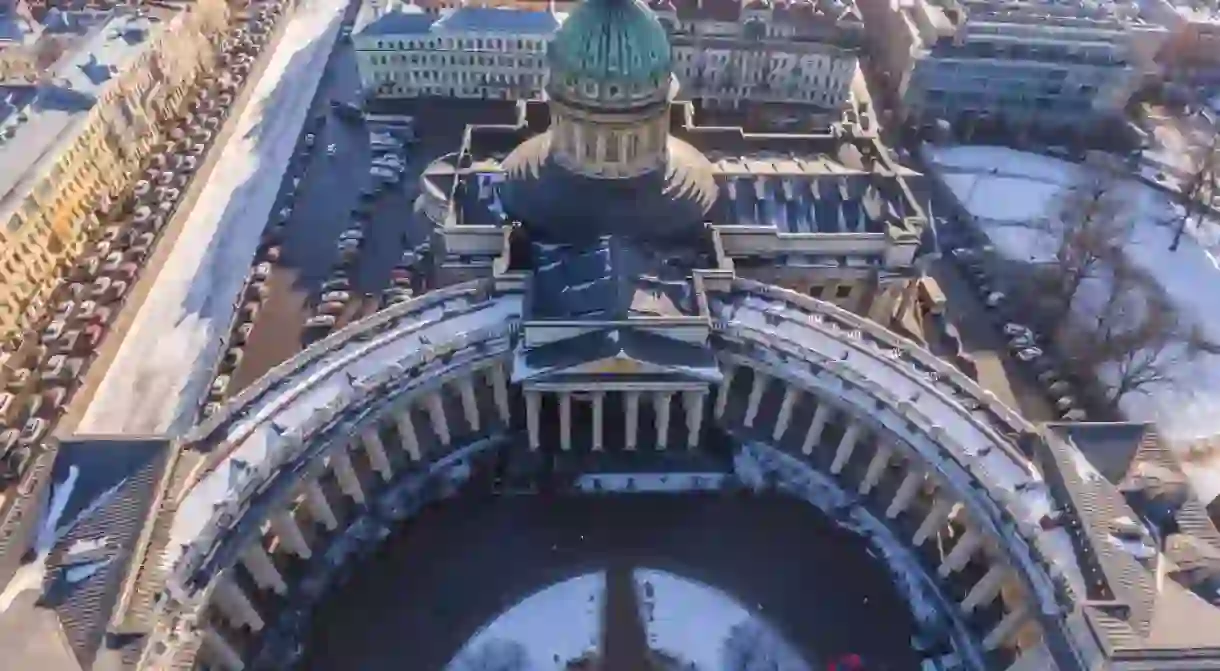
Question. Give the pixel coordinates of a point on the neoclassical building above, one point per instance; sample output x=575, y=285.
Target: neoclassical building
x=596, y=322
x=726, y=52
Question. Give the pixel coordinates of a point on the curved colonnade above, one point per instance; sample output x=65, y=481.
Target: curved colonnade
x=389, y=412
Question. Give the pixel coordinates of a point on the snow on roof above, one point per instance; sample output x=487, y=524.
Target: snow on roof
x=973, y=438
x=248, y=444
x=1190, y=409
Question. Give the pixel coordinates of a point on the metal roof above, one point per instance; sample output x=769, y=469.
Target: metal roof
x=100, y=494
x=610, y=279
x=518, y=22
x=56, y=115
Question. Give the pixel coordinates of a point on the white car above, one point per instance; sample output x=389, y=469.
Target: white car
x=352, y=234
x=321, y=321
x=1012, y=329
x=331, y=149
x=336, y=297
x=310, y=138
x=995, y=299
x=1029, y=354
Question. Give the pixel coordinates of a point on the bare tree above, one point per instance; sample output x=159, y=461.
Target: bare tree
x=1130, y=336
x=1091, y=223
x=1199, y=187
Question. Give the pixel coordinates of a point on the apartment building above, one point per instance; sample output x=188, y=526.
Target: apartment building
x=71, y=136
x=726, y=52
x=1054, y=64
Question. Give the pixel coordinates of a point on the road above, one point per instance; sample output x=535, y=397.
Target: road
x=330, y=188
x=981, y=338
x=458, y=566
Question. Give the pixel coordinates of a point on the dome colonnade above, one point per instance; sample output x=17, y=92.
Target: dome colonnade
x=414, y=397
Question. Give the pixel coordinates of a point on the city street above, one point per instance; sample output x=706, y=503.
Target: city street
x=455, y=568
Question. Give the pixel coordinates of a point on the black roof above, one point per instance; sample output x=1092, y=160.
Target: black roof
x=607, y=279
x=97, y=503
x=667, y=204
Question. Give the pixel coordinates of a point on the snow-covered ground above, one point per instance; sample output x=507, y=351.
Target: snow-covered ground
x=1006, y=188
x=164, y=365
x=693, y=622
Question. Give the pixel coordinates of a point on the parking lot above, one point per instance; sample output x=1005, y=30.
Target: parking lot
x=342, y=242
x=43, y=374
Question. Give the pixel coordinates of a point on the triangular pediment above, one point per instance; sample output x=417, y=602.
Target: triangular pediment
x=616, y=365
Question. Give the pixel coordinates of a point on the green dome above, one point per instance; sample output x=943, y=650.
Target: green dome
x=610, y=52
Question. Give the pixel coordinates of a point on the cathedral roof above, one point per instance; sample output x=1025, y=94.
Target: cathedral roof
x=556, y=204
x=610, y=53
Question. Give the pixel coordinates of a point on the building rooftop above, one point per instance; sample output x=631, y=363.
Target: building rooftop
x=96, y=502
x=507, y=20
x=33, y=137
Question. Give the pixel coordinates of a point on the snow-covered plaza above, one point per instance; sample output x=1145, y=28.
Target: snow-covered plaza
x=1006, y=190
x=163, y=368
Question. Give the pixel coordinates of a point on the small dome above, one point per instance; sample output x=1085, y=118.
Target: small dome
x=608, y=54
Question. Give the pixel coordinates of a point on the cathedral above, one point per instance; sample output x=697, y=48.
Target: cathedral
x=623, y=300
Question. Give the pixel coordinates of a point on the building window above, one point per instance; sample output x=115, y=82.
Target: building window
x=843, y=291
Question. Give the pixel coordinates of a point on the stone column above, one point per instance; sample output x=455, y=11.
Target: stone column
x=791, y=394
x=820, y=417
x=936, y=518
x=565, y=420
x=406, y=431
x=258, y=562
x=599, y=403
x=285, y=526
x=349, y=482
x=722, y=392
x=470, y=405
x=759, y=386
x=660, y=407
x=847, y=445
x=371, y=440
x=319, y=506
x=236, y=607
x=876, y=467
x=1005, y=629
x=986, y=589
x=911, y=484
x=436, y=412
x=631, y=401
x=499, y=388
x=533, y=406
x=693, y=404
x=219, y=652
x=961, y=552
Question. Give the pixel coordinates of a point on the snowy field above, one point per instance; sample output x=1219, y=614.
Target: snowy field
x=1006, y=188
x=163, y=367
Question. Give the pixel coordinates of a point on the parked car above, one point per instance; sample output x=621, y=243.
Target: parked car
x=9, y=440
x=212, y=409
x=257, y=291
x=53, y=400
x=233, y=358
x=352, y=234
x=331, y=308
x=18, y=380
x=320, y=321
x=336, y=296
x=220, y=386
x=33, y=431
x=335, y=284
x=242, y=333
x=249, y=311
x=143, y=242
x=53, y=331
x=1029, y=354
x=262, y=271
x=8, y=402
